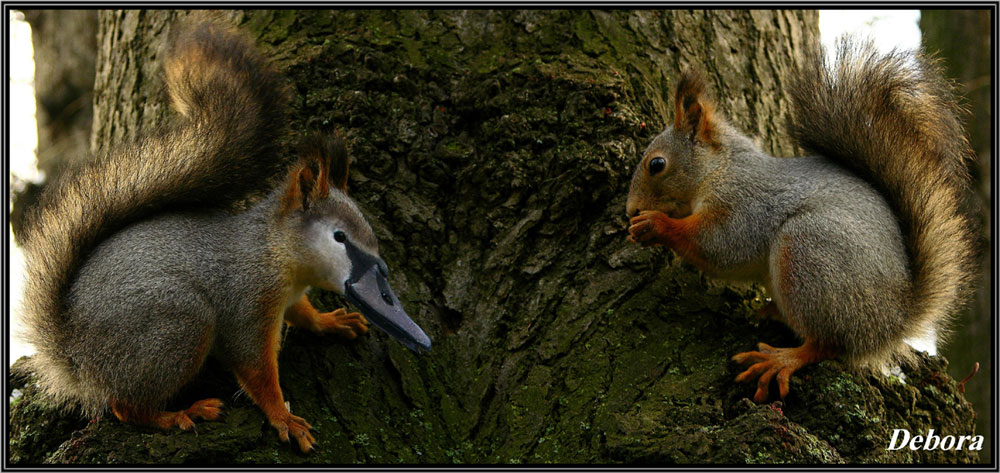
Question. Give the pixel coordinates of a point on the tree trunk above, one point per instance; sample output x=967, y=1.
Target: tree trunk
x=962, y=39
x=64, y=43
x=64, y=48
x=492, y=155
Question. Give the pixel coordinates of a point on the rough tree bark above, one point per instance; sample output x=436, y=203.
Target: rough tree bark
x=962, y=39
x=493, y=151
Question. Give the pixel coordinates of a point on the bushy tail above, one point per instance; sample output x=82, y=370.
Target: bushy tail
x=225, y=149
x=893, y=120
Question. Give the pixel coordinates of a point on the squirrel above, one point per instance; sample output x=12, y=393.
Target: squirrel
x=138, y=267
x=860, y=246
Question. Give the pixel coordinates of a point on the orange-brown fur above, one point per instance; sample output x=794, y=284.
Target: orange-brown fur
x=260, y=380
x=207, y=409
x=769, y=363
x=679, y=234
x=302, y=314
x=692, y=115
x=295, y=190
x=312, y=176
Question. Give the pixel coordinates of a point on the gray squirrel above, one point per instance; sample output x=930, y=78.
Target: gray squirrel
x=137, y=268
x=861, y=245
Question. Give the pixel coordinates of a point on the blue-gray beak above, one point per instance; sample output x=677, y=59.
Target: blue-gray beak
x=369, y=291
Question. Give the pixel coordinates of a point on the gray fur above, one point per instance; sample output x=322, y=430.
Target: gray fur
x=350, y=219
x=893, y=119
x=861, y=246
x=135, y=271
x=180, y=280
x=850, y=276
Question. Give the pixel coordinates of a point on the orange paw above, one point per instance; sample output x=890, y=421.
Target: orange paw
x=348, y=325
x=649, y=228
x=769, y=363
x=297, y=427
x=208, y=409
x=179, y=419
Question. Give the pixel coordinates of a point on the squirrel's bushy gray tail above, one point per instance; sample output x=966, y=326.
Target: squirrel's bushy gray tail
x=893, y=120
x=225, y=149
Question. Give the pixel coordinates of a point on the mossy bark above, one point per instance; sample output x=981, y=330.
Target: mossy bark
x=492, y=154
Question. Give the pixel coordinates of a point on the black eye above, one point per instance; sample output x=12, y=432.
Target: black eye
x=339, y=236
x=656, y=165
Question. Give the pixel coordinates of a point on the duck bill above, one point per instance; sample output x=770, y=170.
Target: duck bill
x=371, y=294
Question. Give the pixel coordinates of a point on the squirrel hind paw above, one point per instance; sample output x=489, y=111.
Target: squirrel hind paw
x=769, y=363
x=207, y=409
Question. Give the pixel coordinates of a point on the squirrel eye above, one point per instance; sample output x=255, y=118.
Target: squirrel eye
x=656, y=165
x=339, y=236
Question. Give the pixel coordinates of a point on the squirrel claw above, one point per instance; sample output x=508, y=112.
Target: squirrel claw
x=208, y=409
x=182, y=421
x=348, y=325
x=298, y=427
x=769, y=363
x=647, y=228
x=765, y=371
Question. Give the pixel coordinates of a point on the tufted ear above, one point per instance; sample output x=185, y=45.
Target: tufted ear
x=694, y=114
x=323, y=162
x=330, y=153
x=301, y=188
x=340, y=162
x=309, y=179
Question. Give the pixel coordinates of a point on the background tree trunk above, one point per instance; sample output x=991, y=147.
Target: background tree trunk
x=962, y=39
x=492, y=154
x=64, y=44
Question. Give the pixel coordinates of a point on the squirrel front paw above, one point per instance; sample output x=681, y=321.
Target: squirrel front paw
x=649, y=228
x=289, y=425
x=348, y=325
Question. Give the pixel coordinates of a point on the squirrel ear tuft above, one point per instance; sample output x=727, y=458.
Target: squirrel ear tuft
x=315, y=150
x=309, y=185
x=694, y=114
x=329, y=152
x=323, y=161
x=301, y=182
x=340, y=162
